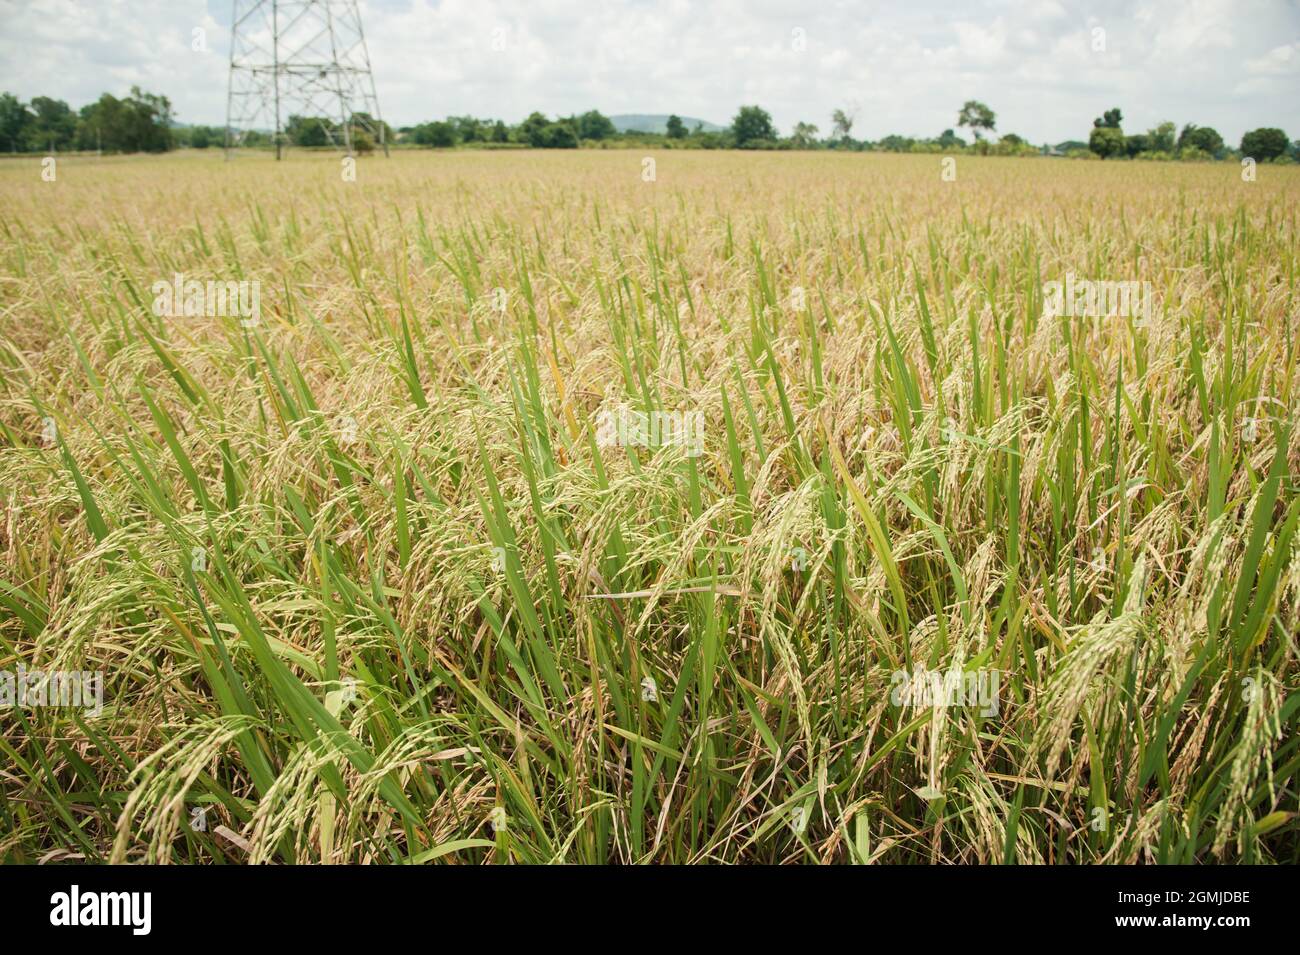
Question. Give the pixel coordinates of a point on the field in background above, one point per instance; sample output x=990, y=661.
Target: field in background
x=367, y=580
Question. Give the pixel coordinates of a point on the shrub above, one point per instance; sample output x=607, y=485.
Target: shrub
x=362, y=143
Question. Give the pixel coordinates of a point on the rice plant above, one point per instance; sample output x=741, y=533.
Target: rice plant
x=768, y=509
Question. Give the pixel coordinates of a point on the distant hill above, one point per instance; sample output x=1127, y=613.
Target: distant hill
x=658, y=123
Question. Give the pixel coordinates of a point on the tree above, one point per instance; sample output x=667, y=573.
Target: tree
x=139, y=123
x=53, y=126
x=14, y=120
x=365, y=123
x=437, y=134
x=100, y=124
x=676, y=128
x=977, y=117
x=950, y=140
x=805, y=134
x=752, y=126
x=1264, y=143
x=558, y=136
x=843, y=124
x=1106, y=141
x=530, y=130
x=150, y=118
x=499, y=133
x=308, y=130
x=896, y=144
x=201, y=137
x=1110, y=119
x=1204, y=138
x=594, y=124
x=1107, y=137
x=1162, y=137
x=1137, y=143
x=465, y=129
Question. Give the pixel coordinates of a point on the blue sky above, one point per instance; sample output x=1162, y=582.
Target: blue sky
x=901, y=67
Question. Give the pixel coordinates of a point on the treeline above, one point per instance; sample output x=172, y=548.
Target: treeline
x=1107, y=140
x=752, y=128
x=1194, y=143
x=139, y=123
x=142, y=122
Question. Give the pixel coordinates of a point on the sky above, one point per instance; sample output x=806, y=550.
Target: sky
x=1046, y=67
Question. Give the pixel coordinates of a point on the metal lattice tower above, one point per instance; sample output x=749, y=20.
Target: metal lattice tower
x=300, y=58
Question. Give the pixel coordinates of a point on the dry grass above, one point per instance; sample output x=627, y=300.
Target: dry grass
x=906, y=465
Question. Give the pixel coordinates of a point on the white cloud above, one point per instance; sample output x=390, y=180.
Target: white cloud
x=908, y=66
x=980, y=45
x=1279, y=61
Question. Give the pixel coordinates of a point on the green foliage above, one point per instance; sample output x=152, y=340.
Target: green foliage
x=436, y=134
x=842, y=124
x=442, y=134
x=1137, y=143
x=1107, y=141
x=373, y=128
x=530, y=130
x=465, y=129
x=1264, y=144
x=1013, y=145
x=896, y=144
x=560, y=135
x=711, y=140
x=950, y=140
x=362, y=142
x=595, y=125
x=139, y=123
x=53, y=125
x=1110, y=119
x=977, y=117
x=752, y=127
x=676, y=128
x=308, y=130
x=14, y=120
x=1203, y=138
x=201, y=137
x=1161, y=138
x=805, y=135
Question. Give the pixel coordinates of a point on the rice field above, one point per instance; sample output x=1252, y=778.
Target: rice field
x=728, y=508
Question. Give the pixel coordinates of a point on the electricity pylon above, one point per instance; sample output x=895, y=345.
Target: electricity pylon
x=300, y=58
